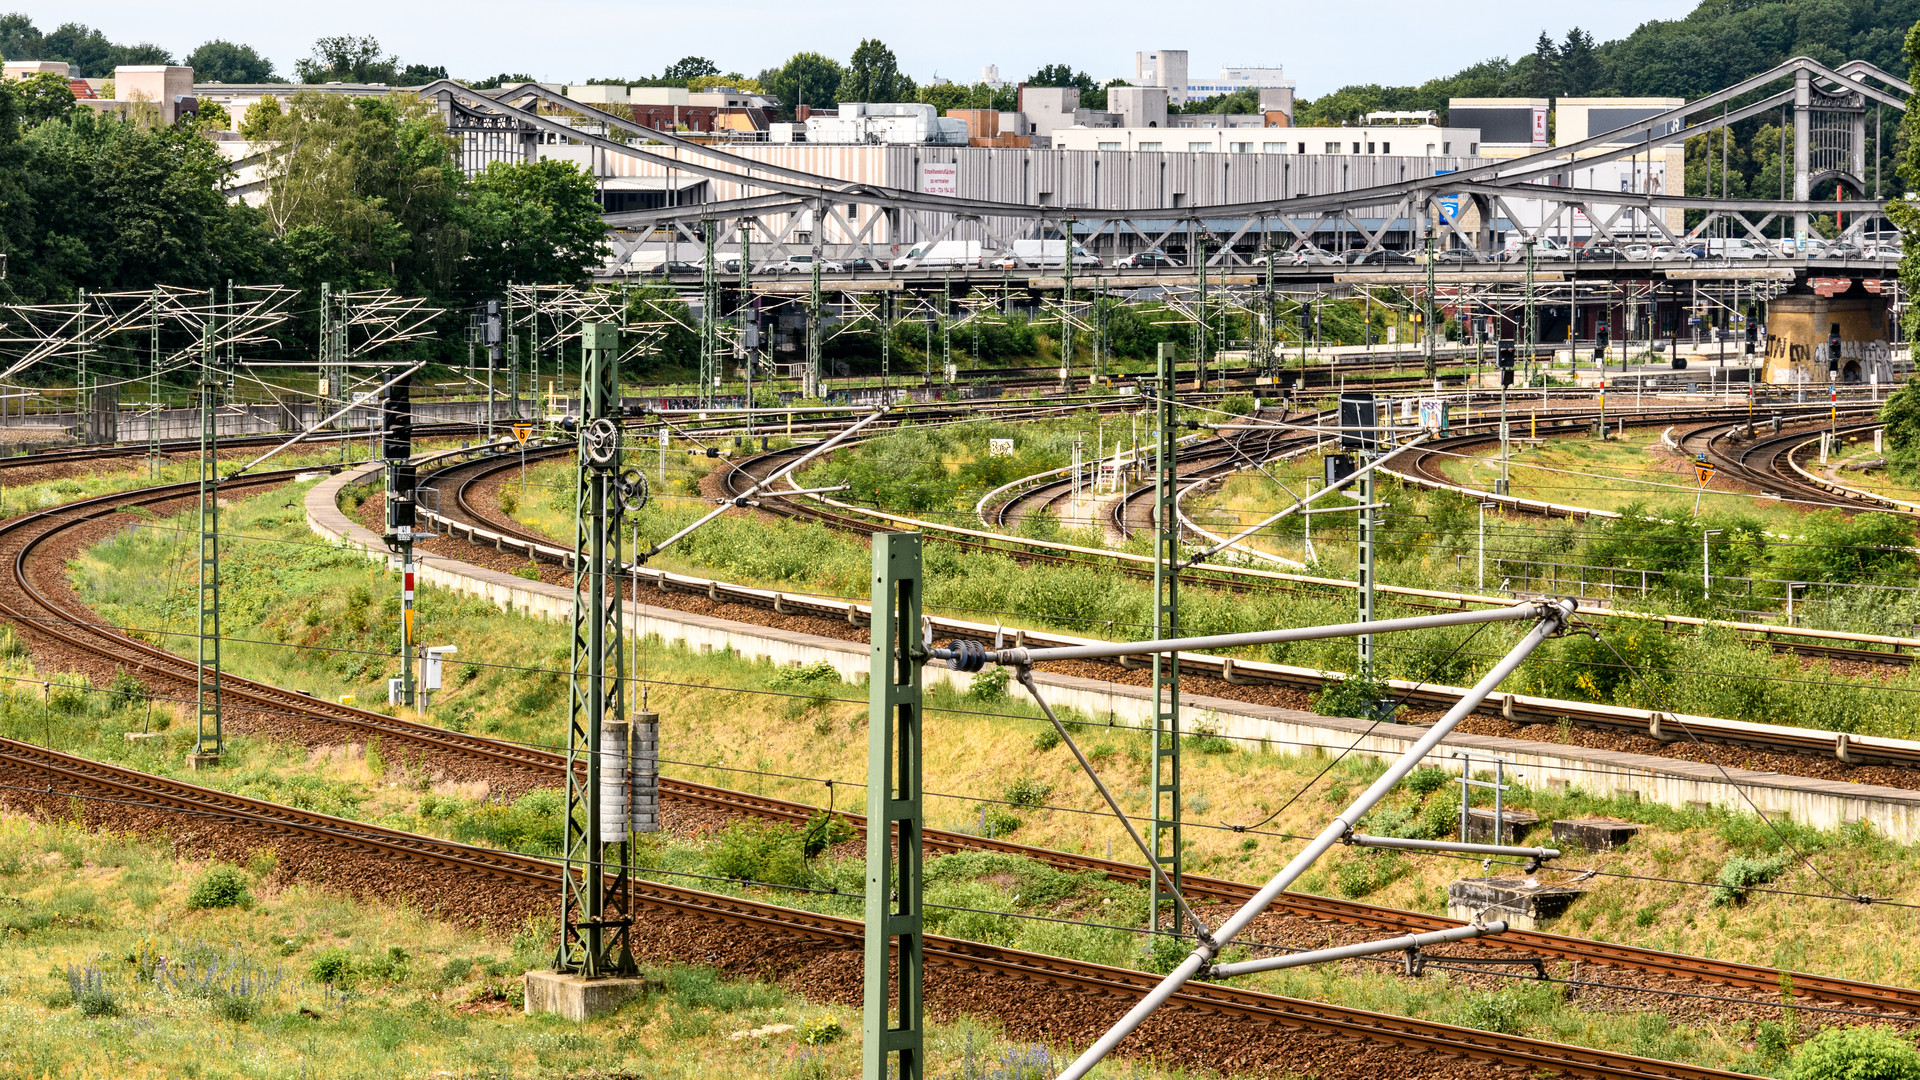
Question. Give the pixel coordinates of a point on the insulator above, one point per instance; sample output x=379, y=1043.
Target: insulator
x=967, y=655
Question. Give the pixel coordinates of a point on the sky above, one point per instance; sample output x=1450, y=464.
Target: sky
x=1322, y=45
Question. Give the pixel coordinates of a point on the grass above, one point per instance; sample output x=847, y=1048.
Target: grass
x=1580, y=470
x=108, y=970
x=981, y=752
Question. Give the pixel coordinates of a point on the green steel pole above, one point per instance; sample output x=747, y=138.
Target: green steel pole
x=153, y=384
x=709, y=320
x=1066, y=311
x=893, y=1026
x=207, y=745
x=1164, y=831
x=596, y=917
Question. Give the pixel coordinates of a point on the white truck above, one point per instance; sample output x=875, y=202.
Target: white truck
x=942, y=253
x=1043, y=254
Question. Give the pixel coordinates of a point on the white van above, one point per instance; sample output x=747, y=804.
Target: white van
x=1736, y=247
x=1044, y=254
x=1544, y=248
x=942, y=253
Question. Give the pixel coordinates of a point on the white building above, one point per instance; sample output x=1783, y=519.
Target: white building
x=1168, y=68
x=1425, y=140
x=889, y=124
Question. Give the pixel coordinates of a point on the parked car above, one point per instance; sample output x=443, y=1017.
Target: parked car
x=1307, y=255
x=1379, y=257
x=1455, y=257
x=1888, y=252
x=1673, y=253
x=866, y=266
x=1599, y=253
x=1843, y=250
x=802, y=264
x=677, y=269
x=1637, y=252
x=1144, y=260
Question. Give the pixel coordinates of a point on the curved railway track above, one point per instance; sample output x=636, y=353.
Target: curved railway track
x=29, y=534
x=1261, y=1030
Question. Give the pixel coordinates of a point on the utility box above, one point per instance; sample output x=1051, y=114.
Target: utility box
x=600, y=335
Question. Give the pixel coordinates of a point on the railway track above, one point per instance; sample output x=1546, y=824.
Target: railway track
x=473, y=474
x=1765, y=460
x=1260, y=1030
x=405, y=849
x=482, y=528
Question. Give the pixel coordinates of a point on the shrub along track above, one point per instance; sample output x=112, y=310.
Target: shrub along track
x=65, y=633
x=1037, y=997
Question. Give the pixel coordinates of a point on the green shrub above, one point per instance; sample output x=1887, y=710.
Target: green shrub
x=1500, y=1012
x=332, y=967
x=997, y=821
x=989, y=685
x=1026, y=792
x=1367, y=872
x=759, y=851
x=1237, y=404
x=819, y=1031
x=238, y=1008
x=969, y=909
x=823, y=831
x=532, y=824
x=529, y=571
x=1741, y=873
x=1206, y=740
x=1855, y=1054
x=1427, y=779
x=1047, y=738
x=1164, y=953
x=1360, y=696
x=220, y=887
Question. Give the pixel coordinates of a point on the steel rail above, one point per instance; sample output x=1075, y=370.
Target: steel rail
x=164, y=795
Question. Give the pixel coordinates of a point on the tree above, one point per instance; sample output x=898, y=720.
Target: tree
x=1901, y=414
x=346, y=58
x=1062, y=75
x=257, y=125
x=702, y=83
x=874, y=75
x=1579, y=71
x=43, y=96
x=211, y=117
x=1544, y=77
x=225, y=62
x=689, y=67
x=806, y=78
x=420, y=74
x=371, y=184
x=536, y=221
x=495, y=82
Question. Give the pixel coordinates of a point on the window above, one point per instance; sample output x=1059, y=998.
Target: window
x=1356, y=147
x=1149, y=146
x=1369, y=148
x=1300, y=148
x=1110, y=146
x=1199, y=147
x=1445, y=148
x=1273, y=148
x=1333, y=148
x=1387, y=148
x=1473, y=149
x=1243, y=148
